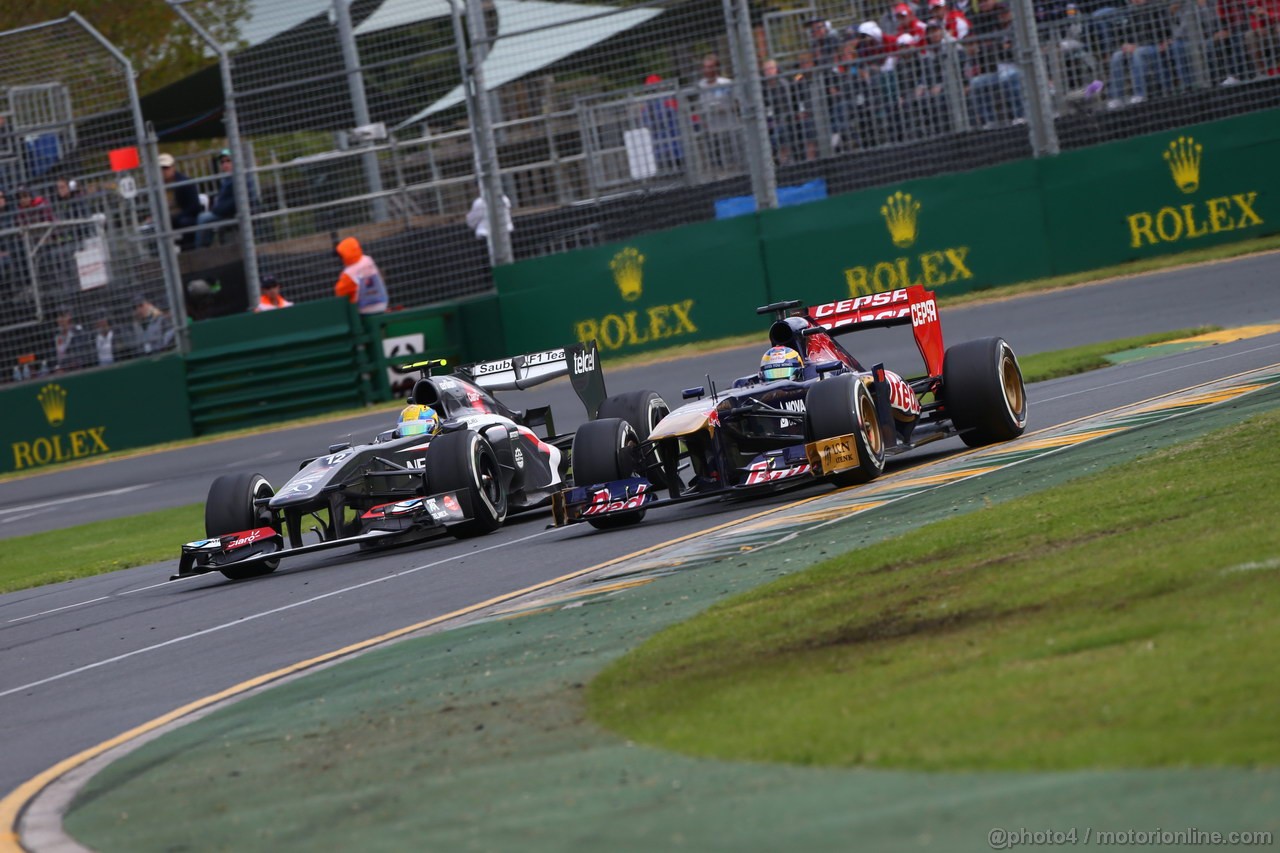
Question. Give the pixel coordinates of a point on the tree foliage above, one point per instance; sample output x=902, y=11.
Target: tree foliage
x=160, y=45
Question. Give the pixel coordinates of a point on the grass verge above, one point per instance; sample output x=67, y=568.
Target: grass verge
x=97, y=547
x=1123, y=620
x=1051, y=365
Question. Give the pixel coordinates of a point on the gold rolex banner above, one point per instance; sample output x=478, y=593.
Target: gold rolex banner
x=951, y=233
x=693, y=283
x=62, y=418
x=1166, y=192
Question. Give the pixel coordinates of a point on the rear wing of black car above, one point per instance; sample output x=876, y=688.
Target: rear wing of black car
x=580, y=362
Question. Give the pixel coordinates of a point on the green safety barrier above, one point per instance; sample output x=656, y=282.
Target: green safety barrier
x=252, y=369
x=1168, y=192
x=951, y=233
x=656, y=290
x=76, y=416
x=461, y=331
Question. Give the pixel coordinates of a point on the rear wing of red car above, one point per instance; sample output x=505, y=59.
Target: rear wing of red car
x=913, y=305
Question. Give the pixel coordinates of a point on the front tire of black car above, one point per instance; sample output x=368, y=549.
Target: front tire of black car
x=983, y=391
x=463, y=461
x=603, y=451
x=843, y=405
x=229, y=508
x=643, y=410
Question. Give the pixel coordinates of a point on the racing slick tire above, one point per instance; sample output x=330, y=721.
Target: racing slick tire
x=463, y=461
x=643, y=410
x=842, y=405
x=605, y=450
x=229, y=509
x=983, y=391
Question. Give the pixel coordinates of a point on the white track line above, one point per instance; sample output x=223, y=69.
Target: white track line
x=1094, y=388
x=100, y=598
x=263, y=614
x=76, y=499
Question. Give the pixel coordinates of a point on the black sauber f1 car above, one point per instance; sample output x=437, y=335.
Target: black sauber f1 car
x=484, y=462
x=830, y=419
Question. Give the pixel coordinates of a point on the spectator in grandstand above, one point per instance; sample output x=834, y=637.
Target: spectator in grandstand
x=928, y=95
x=152, y=328
x=1069, y=34
x=104, y=340
x=271, y=298
x=661, y=115
x=806, y=87
x=779, y=110
x=185, y=206
x=717, y=115
x=32, y=208
x=72, y=345
x=824, y=44
x=1230, y=33
x=68, y=200
x=1145, y=33
x=995, y=92
x=908, y=29
x=1263, y=38
x=1193, y=24
x=952, y=20
x=478, y=219
x=223, y=206
x=361, y=281
x=865, y=84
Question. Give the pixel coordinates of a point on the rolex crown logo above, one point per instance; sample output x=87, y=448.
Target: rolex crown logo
x=899, y=214
x=628, y=273
x=53, y=399
x=1183, y=158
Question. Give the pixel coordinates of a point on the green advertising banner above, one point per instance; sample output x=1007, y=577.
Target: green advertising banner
x=1167, y=192
x=81, y=415
x=698, y=282
x=951, y=233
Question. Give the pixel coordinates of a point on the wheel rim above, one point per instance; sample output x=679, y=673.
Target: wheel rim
x=1011, y=385
x=490, y=485
x=869, y=423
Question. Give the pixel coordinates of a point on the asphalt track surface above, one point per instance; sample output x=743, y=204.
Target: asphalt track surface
x=83, y=661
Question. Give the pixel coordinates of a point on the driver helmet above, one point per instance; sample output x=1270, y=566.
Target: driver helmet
x=416, y=419
x=780, y=363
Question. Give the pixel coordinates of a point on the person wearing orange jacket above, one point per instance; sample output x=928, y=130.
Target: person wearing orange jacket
x=271, y=297
x=360, y=282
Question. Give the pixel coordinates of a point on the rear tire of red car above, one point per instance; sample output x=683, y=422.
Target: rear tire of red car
x=463, y=461
x=605, y=450
x=843, y=405
x=983, y=391
x=229, y=509
x=643, y=410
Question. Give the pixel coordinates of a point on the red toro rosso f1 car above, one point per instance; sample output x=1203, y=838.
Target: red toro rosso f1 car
x=457, y=461
x=813, y=411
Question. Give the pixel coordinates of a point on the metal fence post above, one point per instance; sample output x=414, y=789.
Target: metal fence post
x=482, y=137
x=1039, y=104
x=359, y=104
x=764, y=178
x=239, y=175
x=165, y=248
